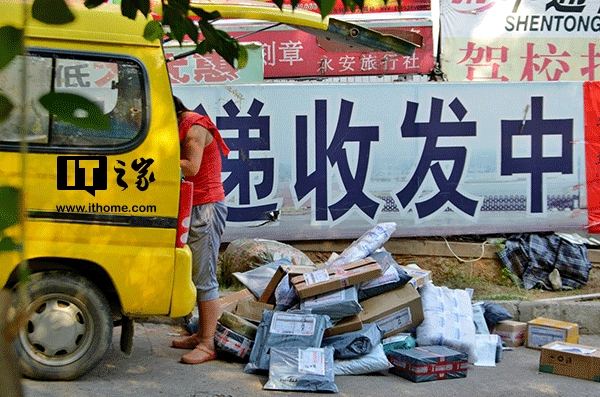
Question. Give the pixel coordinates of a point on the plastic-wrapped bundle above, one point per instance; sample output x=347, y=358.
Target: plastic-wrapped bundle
x=393, y=277
x=374, y=361
x=285, y=329
x=365, y=244
x=285, y=294
x=355, y=344
x=336, y=304
x=256, y=280
x=309, y=369
x=231, y=342
x=448, y=320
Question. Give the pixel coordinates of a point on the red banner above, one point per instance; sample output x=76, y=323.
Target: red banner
x=295, y=53
x=370, y=6
x=591, y=103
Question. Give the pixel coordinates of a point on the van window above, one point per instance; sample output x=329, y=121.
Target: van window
x=116, y=85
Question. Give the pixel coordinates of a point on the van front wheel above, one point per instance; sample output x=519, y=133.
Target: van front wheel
x=68, y=331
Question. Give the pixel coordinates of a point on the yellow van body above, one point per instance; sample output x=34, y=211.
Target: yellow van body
x=115, y=230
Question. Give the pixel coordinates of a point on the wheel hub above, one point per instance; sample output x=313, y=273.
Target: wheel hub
x=57, y=332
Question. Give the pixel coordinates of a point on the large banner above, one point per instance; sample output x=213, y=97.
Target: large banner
x=520, y=40
x=328, y=161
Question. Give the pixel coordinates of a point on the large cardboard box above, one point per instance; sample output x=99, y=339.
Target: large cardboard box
x=511, y=332
x=347, y=324
x=426, y=363
x=268, y=295
x=571, y=359
x=244, y=304
x=541, y=331
x=326, y=280
x=394, y=311
x=419, y=276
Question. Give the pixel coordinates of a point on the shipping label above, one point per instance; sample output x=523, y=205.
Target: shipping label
x=293, y=324
x=311, y=361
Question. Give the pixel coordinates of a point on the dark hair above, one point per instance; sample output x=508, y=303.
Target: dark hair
x=179, y=106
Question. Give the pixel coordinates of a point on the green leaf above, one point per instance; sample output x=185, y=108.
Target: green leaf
x=52, y=12
x=8, y=244
x=153, y=30
x=325, y=7
x=129, y=9
x=191, y=29
x=242, y=59
x=6, y=107
x=9, y=206
x=143, y=6
x=93, y=3
x=173, y=17
x=294, y=3
x=279, y=3
x=76, y=110
x=11, y=44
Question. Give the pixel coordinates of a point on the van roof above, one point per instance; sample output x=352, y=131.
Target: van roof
x=331, y=28
x=102, y=24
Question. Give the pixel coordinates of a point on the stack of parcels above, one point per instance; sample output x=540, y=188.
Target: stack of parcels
x=310, y=323
x=351, y=316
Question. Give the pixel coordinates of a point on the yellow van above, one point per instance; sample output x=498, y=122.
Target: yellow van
x=102, y=232
x=102, y=206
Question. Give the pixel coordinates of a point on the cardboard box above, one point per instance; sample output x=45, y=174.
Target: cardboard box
x=422, y=364
x=571, y=359
x=252, y=310
x=394, y=311
x=419, y=276
x=244, y=304
x=541, y=331
x=229, y=302
x=326, y=280
x=347, y=324
x=511, y=332
x=268, y=295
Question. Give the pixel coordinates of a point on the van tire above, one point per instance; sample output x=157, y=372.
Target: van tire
x=69, y=329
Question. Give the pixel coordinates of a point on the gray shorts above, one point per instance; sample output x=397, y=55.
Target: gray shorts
x=206, y=229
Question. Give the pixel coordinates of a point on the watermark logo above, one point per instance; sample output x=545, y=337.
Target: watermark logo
x=81, y=173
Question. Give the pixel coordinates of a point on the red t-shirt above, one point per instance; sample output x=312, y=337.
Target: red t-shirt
x=208, y=187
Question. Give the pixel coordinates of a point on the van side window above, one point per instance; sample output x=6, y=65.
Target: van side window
x=115, y=85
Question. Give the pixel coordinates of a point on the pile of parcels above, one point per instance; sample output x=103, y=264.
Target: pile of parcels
x=362, y=312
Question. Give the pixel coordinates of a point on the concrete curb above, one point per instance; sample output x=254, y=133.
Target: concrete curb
x=585, y=314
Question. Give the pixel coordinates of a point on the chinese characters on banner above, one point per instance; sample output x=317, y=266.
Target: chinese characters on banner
x=499, y=41
x=337, y=159
x=293, y=53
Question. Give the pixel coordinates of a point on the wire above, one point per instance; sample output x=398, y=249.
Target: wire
x=465, y=260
